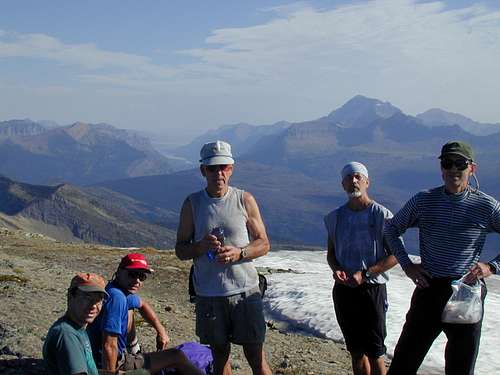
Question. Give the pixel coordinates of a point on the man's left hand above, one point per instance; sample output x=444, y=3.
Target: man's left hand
x=479, y=271
x=228, y=254
x=162, y=341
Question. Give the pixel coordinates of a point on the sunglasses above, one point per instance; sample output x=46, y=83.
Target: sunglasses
x=460, y=164
x=134, y=275
x=218, y=167
x=92, y=297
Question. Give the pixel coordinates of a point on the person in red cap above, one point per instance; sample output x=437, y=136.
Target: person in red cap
x=109, y=333
x=67, y=349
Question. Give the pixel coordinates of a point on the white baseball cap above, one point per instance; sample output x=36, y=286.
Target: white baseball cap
x=216, y=153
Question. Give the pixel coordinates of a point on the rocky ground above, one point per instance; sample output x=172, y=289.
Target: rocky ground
x=35, y=272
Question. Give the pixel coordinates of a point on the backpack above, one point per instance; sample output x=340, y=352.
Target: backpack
x=199, y=355
x=192, y=292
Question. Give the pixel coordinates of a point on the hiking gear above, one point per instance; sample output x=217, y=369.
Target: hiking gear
x=135, y=261
x=457, y=148
x=199, y=355
x=218, y=152
x=465, y=305
x=354, y=167
x=461, y=164
x=88, y=282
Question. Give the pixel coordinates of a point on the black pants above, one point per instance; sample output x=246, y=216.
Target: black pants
x=423, y=325
x=361, y=314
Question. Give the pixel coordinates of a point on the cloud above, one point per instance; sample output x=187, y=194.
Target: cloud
x=364, y=36
x=305, y=61
x=87, y=56
x=392, y=49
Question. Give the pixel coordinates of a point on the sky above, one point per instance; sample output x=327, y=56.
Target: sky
x=180, y=67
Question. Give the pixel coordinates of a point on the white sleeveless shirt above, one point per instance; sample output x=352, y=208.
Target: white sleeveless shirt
x=211, y=278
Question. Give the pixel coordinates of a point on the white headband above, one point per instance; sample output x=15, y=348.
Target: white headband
x=354, y=167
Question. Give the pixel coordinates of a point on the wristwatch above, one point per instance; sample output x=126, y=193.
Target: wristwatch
x=492, y=268
x=366, y=274
x=244, y=253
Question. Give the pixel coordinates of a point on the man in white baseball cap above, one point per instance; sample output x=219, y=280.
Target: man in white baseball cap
x=222, y=231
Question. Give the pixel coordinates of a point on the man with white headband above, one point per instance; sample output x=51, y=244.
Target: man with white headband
x=359, y=260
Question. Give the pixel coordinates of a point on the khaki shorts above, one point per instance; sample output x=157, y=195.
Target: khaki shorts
x=130, y=361
x=238, y=319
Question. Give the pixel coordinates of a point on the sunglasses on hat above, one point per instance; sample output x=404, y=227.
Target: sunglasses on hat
x=461, y=164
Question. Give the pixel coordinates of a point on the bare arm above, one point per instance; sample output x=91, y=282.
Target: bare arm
x=259, y=244
x=338, y=273
x=383, y=265
x=150, y=316
x=185, y=247
x=110, y=351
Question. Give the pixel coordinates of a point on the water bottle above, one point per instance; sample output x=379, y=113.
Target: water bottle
x=219, y=233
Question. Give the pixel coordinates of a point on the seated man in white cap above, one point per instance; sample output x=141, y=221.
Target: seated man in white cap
x=358, y=258
x=222, y=231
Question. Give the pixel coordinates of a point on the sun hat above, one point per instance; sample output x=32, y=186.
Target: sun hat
x=88, y=282
x=216, y=153
x=457, y=148
x=354, y=167
x=135, y=261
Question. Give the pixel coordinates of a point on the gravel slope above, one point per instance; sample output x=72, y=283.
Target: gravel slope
x=35, y=272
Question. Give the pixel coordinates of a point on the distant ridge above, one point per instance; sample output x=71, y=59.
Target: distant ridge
x=80, y=153
x=16, y=128
x=67, y=213
x=439, y=117
x=242, y=138
x=294, y=173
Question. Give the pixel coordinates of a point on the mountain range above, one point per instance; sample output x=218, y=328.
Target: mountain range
x=294, y=172
x=79, y=153
x=293, y=168
x=438, y=117
x=68, y=213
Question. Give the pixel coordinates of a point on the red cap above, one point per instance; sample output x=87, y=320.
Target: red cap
x=88, y=282
x=135, y=261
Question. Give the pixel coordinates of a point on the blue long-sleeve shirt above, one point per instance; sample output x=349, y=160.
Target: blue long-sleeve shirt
x=452, y=229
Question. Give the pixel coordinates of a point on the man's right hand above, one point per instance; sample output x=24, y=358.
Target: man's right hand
x=162, y=340
x=418, y=275
x=340, y=276
x=209, y=242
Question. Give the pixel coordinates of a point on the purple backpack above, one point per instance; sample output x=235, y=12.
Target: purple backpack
x=199, y=355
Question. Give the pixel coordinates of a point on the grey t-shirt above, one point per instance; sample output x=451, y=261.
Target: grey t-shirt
x=358, y=237
x=356, y=250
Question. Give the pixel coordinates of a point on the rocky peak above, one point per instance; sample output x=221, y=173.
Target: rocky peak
x=361, y=111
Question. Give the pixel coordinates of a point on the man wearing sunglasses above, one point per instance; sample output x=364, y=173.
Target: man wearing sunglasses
x=222, y=231
x=453, y=221
x=67, y=349
x=109, y=334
